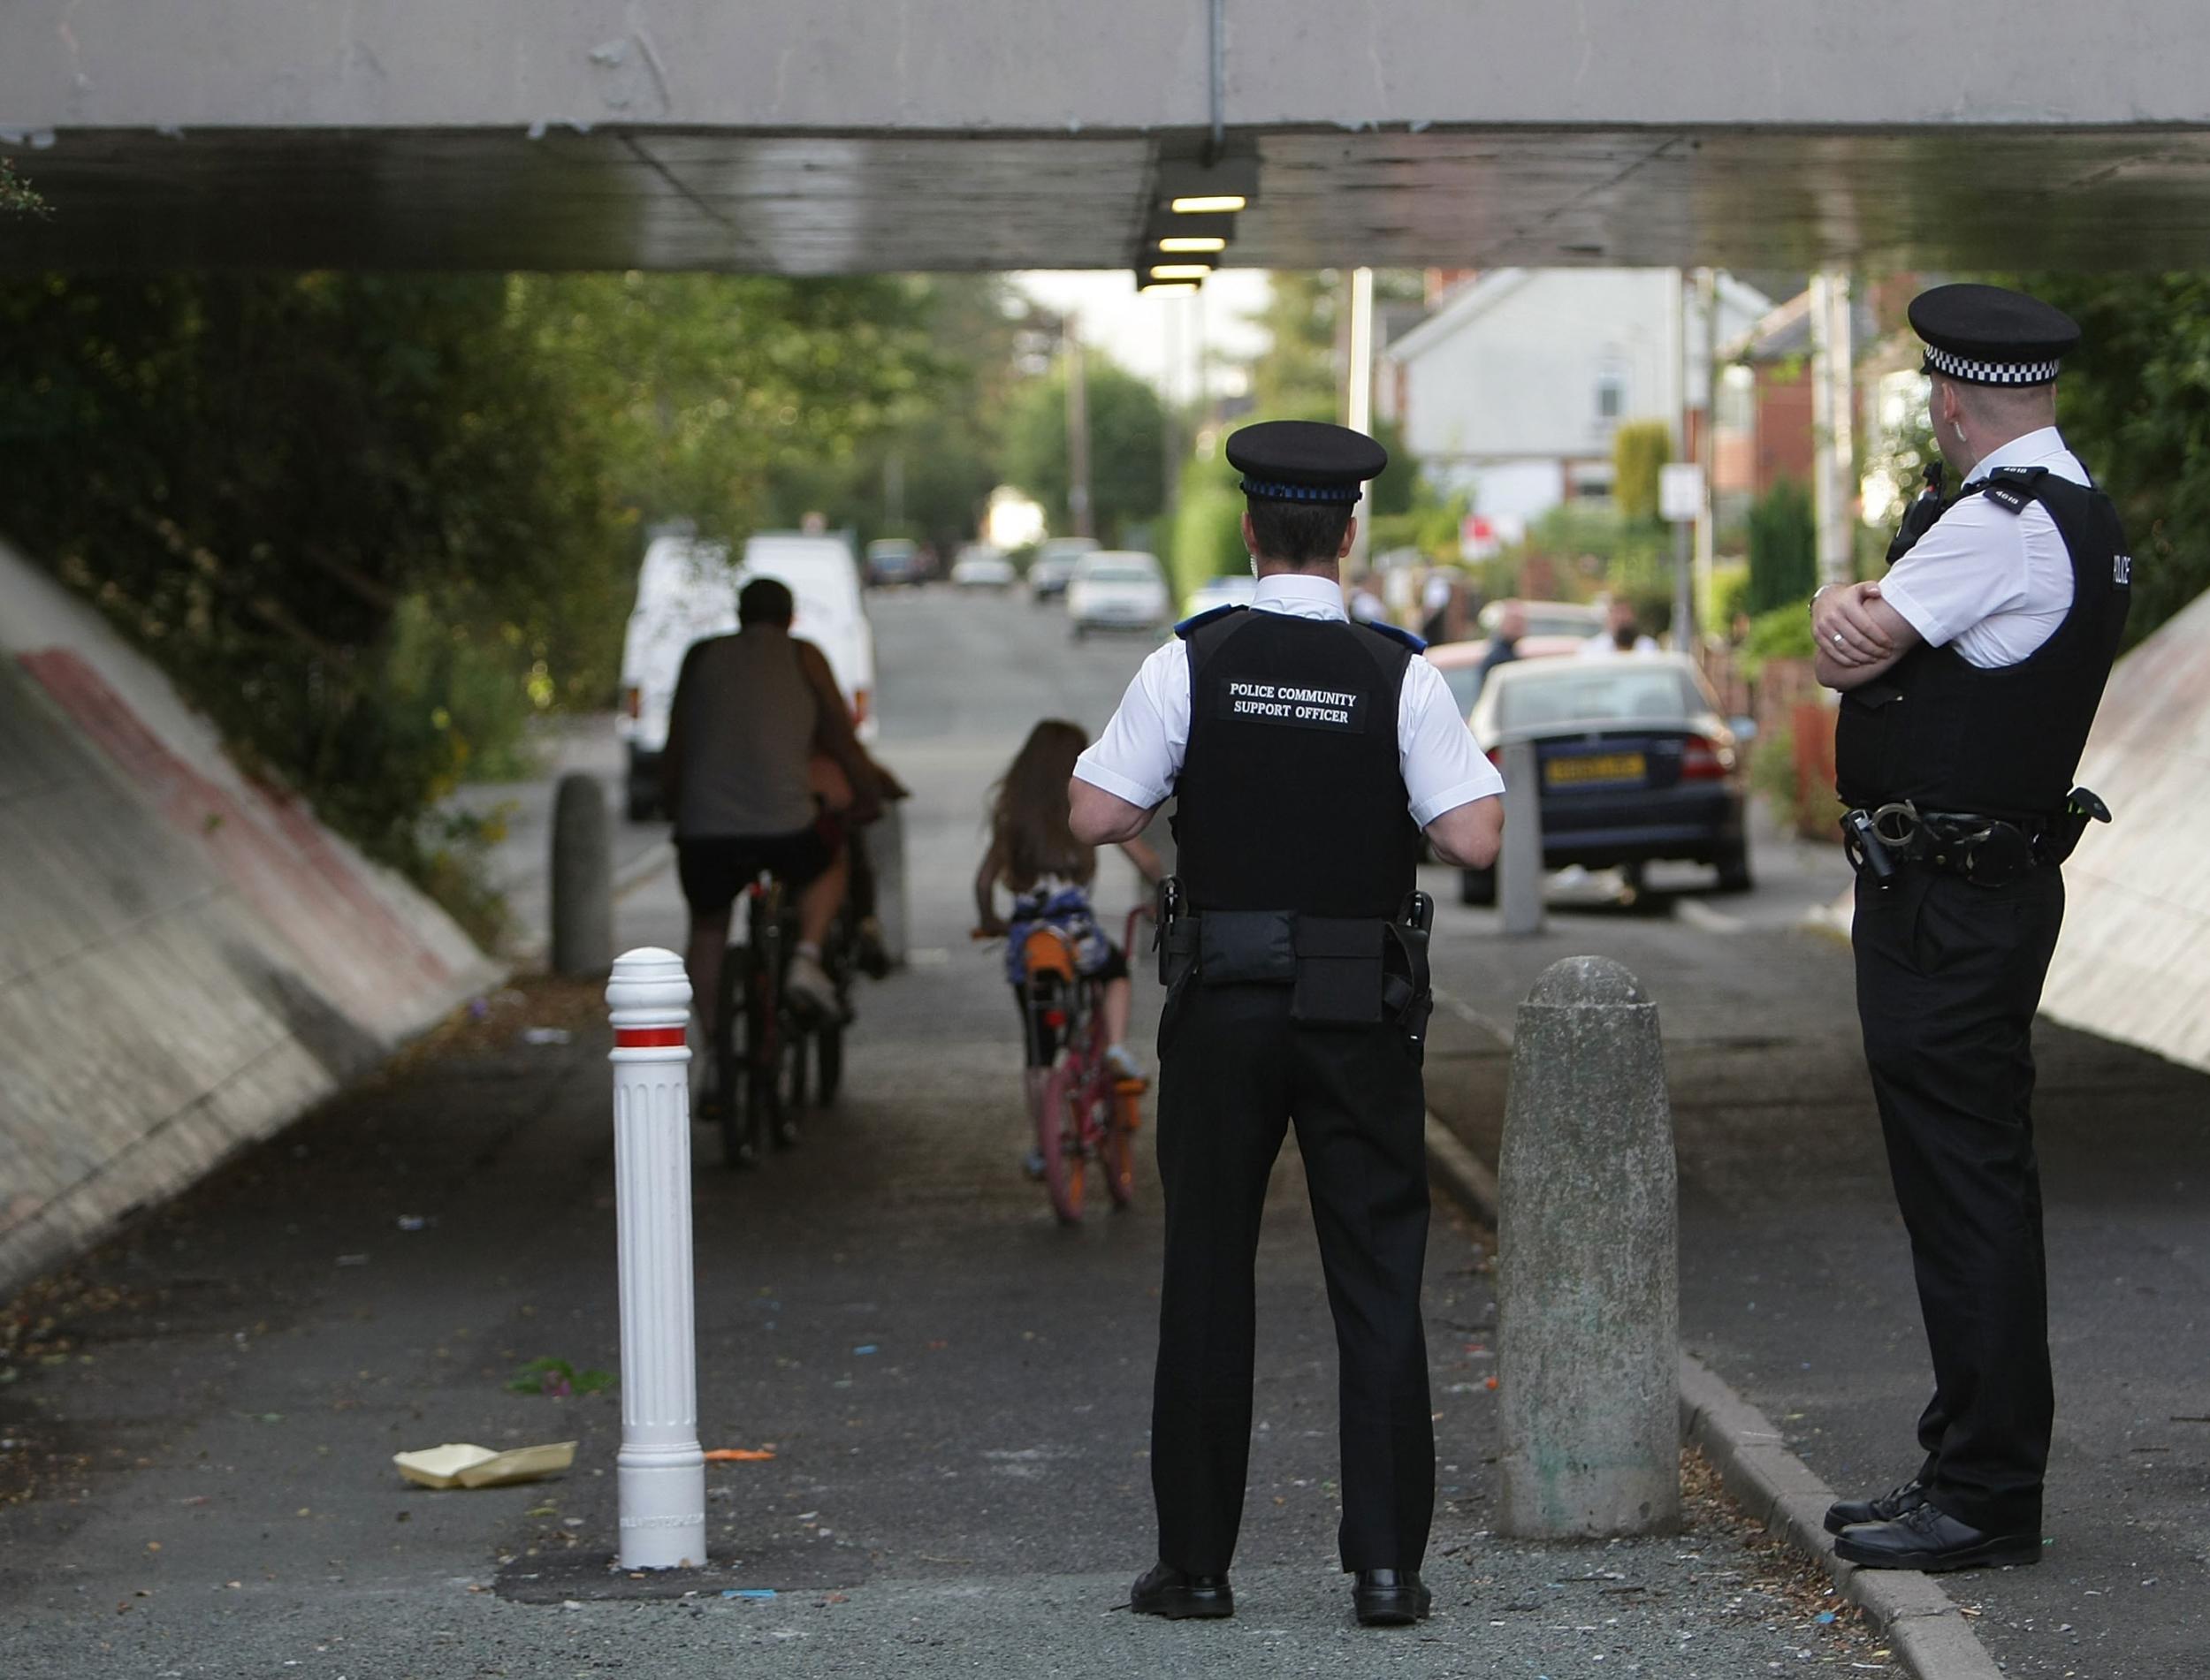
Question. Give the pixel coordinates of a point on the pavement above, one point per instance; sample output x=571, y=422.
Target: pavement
x=1795, y=1278
x=195, y=1423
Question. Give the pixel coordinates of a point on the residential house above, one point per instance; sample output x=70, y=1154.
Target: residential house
x=1512, y=387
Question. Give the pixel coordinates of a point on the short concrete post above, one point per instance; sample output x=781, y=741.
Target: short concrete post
x=581, y=877
x=661, y=1472
x=885, y=841
x=1520, y=866
x=1587, y=1294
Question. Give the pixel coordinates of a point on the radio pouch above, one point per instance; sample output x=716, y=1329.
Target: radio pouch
x=1244, y=948
x=1339, y=971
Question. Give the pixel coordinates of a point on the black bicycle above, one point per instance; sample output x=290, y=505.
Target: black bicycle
x=774, y=1056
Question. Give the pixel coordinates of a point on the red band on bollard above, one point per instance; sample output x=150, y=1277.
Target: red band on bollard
x=648, y=1037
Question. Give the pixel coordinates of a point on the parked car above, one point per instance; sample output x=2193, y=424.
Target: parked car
x=1633, y=761
x=893, y=559
x=1459, y=661
x=686, y=590
x=1572, y=619
x=1117, y=589
x=979, y=566
x=823, y=579
x=1230, y=589
x=1049, y=572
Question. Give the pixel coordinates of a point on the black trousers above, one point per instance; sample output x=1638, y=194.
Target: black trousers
x=1948, y=980
x=1233, y=1071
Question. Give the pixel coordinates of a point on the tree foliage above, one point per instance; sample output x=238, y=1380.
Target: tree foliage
x=1783, y=548
x=1127, y=446
x=347, y=513
x=1640, y=450
x=16, y=194
x=2135, y=404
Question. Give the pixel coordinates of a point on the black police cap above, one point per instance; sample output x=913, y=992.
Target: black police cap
x=1305, y=460
x=1988, y=335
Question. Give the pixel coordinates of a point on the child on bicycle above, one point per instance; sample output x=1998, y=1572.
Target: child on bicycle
x=1033, y=854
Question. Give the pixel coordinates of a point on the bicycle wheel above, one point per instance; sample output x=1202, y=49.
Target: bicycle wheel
x=733, y=1099
x=792, y=1049
x=1059, y=1140
x=1116, y=1149
x=828, y=1072
x=762, y=1036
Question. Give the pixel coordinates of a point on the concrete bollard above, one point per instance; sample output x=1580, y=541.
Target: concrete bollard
x=1587, y=1290
x=885, y=841
x=1520, y=866
x=661, y=1473
x=581, y=877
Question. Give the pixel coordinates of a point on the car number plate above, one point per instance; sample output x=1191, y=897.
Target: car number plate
x=1610, y=766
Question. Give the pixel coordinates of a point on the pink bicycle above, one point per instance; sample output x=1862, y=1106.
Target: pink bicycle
x=1085, y=1112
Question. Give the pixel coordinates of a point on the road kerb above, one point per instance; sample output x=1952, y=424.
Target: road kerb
x=1920, y=1622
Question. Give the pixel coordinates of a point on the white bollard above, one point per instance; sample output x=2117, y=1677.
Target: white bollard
x=661, y=1472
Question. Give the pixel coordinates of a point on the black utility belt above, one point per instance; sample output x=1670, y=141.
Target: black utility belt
x=1342, y=971
x=1988, y=851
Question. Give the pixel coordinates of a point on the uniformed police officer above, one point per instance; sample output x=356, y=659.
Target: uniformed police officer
x=1969, y=675
x=1307, y=753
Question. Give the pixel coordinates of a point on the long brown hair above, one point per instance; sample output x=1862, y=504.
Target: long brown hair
x=1028, y=810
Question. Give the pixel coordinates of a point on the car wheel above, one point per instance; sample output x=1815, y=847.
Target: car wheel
x=640, y=807
x=1478, y=886
x=1733, y=869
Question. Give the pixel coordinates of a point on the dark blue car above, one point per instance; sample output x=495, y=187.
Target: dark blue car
x=1635, y=763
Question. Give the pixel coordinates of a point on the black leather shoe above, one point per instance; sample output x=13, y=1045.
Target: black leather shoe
x=1889, y=1506
x=1179, y=1596
x=1928, y=1538
x=1390, y=1598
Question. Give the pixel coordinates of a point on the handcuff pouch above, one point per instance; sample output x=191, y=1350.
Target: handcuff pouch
x=1339, y=971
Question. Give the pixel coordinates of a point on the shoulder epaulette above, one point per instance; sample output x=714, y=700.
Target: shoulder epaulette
x=1188, y=625
x=1397, y=633
x=2013, y=488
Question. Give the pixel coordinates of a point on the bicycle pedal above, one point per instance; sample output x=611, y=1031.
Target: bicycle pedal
x=1128, y=1087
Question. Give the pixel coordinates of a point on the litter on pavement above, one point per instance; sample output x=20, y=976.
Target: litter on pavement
x=460, y=1464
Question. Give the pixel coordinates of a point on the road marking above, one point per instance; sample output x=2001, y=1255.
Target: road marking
x=1501, y=1032
x=1702, y=917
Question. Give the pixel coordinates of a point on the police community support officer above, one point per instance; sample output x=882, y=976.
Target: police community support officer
x=1307, y=753
x=1969, y=675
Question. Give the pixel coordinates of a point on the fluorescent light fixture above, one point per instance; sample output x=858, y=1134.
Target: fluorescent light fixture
x=1180, y=270
x=1167, y=286
x=1208, y=204
x=1192, y=242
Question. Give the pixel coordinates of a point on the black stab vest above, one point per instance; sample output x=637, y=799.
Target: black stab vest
x=1291, y=796
x=1950, y=736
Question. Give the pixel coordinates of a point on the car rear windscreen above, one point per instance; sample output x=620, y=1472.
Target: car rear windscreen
x=1119, y=575
x=1597, y=694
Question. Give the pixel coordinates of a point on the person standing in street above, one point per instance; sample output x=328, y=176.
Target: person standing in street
x=1503, y=647
x=1969, y=676
x=1307, y=753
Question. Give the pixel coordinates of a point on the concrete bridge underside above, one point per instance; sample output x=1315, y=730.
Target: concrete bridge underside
x=851, y=135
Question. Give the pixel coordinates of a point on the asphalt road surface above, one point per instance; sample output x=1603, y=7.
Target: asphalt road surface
x=197, y=1423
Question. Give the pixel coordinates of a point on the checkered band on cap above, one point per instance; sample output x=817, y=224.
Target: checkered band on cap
x=1339, y=494
x=1975, y=372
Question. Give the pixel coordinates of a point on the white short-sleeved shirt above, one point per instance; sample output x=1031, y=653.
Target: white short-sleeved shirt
x=1139, y=755
x=1995, y=582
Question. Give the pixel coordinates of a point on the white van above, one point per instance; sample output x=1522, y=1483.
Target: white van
x=687, y=591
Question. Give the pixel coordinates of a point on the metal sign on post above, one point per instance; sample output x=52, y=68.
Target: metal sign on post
x=661, y=1470
x=1680, y=501
x=1680, y=491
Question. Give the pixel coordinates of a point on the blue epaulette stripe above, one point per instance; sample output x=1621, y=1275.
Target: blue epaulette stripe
x=1397, y=633
x=1201, y=620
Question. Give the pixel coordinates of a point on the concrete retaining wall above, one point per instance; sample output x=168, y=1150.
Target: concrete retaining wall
x=188, y=959
x=2134, y=963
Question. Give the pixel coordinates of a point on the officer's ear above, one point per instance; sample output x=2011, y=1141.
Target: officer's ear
x=1350, y=537
x=1250, y=536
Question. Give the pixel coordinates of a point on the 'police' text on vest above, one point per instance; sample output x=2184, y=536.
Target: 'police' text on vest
x=1293, y=704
